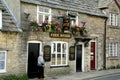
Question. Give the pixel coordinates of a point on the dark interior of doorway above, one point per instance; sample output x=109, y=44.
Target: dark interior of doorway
x=33, y=53
x=78, y=58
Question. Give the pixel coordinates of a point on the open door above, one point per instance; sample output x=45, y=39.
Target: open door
x=92, y=56
x=79, y=58
x=33, y=53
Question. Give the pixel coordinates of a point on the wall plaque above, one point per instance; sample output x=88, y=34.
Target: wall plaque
x=72, y=53
x=47, y=53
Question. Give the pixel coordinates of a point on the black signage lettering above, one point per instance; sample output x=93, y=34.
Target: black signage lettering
x=60, y=35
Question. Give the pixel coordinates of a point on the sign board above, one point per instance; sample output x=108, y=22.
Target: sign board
x=59, y=35
x=72, y=53
x=66, y=24
x=47, y=53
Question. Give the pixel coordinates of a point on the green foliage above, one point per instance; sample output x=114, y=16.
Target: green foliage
x=118, y=66
x=14, y=77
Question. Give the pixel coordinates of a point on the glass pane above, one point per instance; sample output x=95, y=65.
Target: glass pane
x=59, y=59
x=63, y=58
x=64, y=47
x=2, y=56
x=54, y=47
x=44, y=10
x=2, y=64
x=46, y=18
x=53, y=59
x=58, y=47
x=40, y=18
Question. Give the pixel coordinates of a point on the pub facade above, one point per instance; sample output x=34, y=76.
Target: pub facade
x=68, y=38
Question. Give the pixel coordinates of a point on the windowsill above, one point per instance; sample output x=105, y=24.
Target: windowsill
x=59, y=66
x=114, y=27
x=2, y=72
x=113, y=57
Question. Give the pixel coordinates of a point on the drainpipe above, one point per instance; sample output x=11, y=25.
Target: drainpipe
x=104, y=43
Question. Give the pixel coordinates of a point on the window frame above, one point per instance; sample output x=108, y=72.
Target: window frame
x=61, y=53
x=43, y=13
x=4, y=70
x=113, y=19
x=0, y=19
x=113, y=49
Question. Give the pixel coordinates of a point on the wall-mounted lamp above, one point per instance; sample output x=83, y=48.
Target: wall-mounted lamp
x=85, y=40
x=26, y=13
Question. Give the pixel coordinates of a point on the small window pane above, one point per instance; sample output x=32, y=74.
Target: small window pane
x=64, y=59
x=58, y=47
x=59, y=59
x=44, y=10
x=53, y=59
x=2, y=56
x=40, y=18
x=2, y=65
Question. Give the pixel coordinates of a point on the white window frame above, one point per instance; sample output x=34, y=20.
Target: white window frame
x=43, y=13
x=3, y=70
x=56, y=53
x=0, y=19
x=113, y=49
x=113, y=20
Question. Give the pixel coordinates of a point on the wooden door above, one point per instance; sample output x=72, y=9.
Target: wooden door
x=33, y=53
x=92, y=56
x=79, y=58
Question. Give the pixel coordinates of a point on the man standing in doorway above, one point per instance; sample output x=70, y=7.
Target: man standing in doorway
x=41, y=66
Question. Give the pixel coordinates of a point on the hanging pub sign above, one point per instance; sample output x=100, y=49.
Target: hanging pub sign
x=47, y=51
x=72, y=53
x=59, y=35
x=66, y=24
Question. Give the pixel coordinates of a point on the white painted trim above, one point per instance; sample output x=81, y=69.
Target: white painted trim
x=40, y=50
x=67, y=53
x=0, y=19
x=83, y=57
x=4, y=70
x=44, y=14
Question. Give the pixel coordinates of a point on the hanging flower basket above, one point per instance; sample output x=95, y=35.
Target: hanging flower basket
x=79, y=30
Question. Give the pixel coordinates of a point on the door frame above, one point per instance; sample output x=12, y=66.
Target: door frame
x=80, y=43
x=96, y=54
x=40, y=50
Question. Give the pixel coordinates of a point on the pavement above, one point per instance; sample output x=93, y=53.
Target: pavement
x=83, y=75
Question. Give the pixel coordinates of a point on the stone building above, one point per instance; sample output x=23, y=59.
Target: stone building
x=71, y=33
x=112, y=10
x=9, y=41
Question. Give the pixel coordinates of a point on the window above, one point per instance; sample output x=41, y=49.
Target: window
x=43, y=14
x=73, y=18
x=0, y=19
x=59, y=53
x=2, y=61
x=113, y=50
x=113, y=19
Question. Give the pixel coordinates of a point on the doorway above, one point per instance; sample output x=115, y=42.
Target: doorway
x=79, y=58
x=33, y=53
